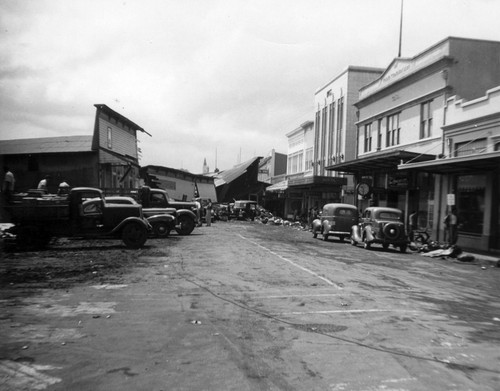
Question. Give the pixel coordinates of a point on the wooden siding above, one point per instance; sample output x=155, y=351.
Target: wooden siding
x=124, y=141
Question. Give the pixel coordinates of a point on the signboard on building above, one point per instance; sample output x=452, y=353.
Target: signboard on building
x=450, y=199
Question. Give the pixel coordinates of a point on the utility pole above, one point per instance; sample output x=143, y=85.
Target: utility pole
x=400, y=29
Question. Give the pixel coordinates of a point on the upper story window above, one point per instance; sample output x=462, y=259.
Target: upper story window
x=379, y=134
x=368, y=137
x=110, y=138
x=426, y=119
x=392, y=130
x=295, y=162
x=309, y=159
x=474, y=147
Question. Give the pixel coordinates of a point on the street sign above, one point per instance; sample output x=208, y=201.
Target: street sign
x=451, y=199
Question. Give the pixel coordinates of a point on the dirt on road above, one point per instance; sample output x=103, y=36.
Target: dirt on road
x=238, y=306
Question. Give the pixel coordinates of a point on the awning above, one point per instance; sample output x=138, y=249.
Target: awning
x=384, y=161
x=278, y=187
x=457, y=165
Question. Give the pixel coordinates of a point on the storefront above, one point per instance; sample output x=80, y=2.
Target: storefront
x=471, y=184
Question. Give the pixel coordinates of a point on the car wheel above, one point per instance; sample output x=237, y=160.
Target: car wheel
x=366, y=243
x=341, y=238
x=403, y=248
x=161, y=230
x=315, y=234
x=134, y=235
x=186, y=225
x=385, y=246
x=28, y=238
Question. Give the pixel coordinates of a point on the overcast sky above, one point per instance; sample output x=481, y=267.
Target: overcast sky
x=222, y=80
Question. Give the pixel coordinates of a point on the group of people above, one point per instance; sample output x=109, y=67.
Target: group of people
x=9, y=183
x=450, y=224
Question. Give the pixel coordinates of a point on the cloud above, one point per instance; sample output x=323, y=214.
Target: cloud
x=201, y=76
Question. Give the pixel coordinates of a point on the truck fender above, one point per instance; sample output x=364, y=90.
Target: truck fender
x=134, y=219
x=161, y=217
x=355, y=234
x=188, y=212
x=369, y=234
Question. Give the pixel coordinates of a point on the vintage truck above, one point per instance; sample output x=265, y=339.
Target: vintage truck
x=156, y=200
x=82, y=213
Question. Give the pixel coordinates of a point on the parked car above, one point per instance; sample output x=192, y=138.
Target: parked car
x=245, y=209
x=383, y=226
x=162, y=220
x=335, y=220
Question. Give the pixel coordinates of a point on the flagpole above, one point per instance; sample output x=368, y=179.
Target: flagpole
x=400, y=29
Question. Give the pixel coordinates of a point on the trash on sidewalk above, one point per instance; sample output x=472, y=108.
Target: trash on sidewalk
x=196, y=322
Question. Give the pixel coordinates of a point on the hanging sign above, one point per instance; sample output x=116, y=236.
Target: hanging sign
x=451, y=199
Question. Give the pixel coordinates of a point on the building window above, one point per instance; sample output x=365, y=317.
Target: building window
x=340, y=121
x=471, y=203
x=323, y=135
x=110, y=139
x=426, y=119
x=331, y=135
x=379, y=134
x=470, y=147
x=309, y=159
x=368, y=138
x=316, y=134
x=295, y=163
x=392, y=130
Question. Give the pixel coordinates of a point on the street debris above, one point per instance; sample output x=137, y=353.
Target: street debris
x=196, y=322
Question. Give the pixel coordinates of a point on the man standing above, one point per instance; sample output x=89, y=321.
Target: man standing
x=8, y=185
x=208, y=215
x=42, y=185
x=451, y=224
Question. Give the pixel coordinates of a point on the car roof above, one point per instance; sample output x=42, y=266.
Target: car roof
x=384, y=209
x=339, y=205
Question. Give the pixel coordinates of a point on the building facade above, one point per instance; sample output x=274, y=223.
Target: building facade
x=179, y=184
x=402, y=115
x=115, y=140
x=468, y=172
x=335, y=123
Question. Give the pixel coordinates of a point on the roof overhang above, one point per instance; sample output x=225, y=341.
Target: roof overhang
x=385, y=161
x=316, y=180
x=463, y=164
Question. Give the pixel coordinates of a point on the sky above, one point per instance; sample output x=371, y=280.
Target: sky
x=221, y=80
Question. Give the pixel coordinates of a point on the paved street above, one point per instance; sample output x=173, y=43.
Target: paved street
x=246, y=306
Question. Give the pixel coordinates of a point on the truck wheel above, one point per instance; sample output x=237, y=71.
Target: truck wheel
x=186, y=225
x=134, y=235
x=161, y=230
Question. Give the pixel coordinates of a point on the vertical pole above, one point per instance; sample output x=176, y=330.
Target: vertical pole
x=400, y=29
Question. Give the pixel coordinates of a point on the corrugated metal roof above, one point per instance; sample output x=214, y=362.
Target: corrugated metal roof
x=46, y=145
x=230, y=175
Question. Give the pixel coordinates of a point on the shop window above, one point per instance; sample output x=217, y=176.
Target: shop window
x=471, y=203
x=426, y=119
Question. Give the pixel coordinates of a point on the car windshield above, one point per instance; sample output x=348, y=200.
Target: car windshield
x=346, y=212
x=385, y=215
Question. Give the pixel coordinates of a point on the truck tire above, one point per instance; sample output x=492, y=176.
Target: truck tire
x=134, y=235
x=161, y=229
x=186, y=225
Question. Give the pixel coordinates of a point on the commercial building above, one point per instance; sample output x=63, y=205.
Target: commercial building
x=402, y=118
x=469, y=170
